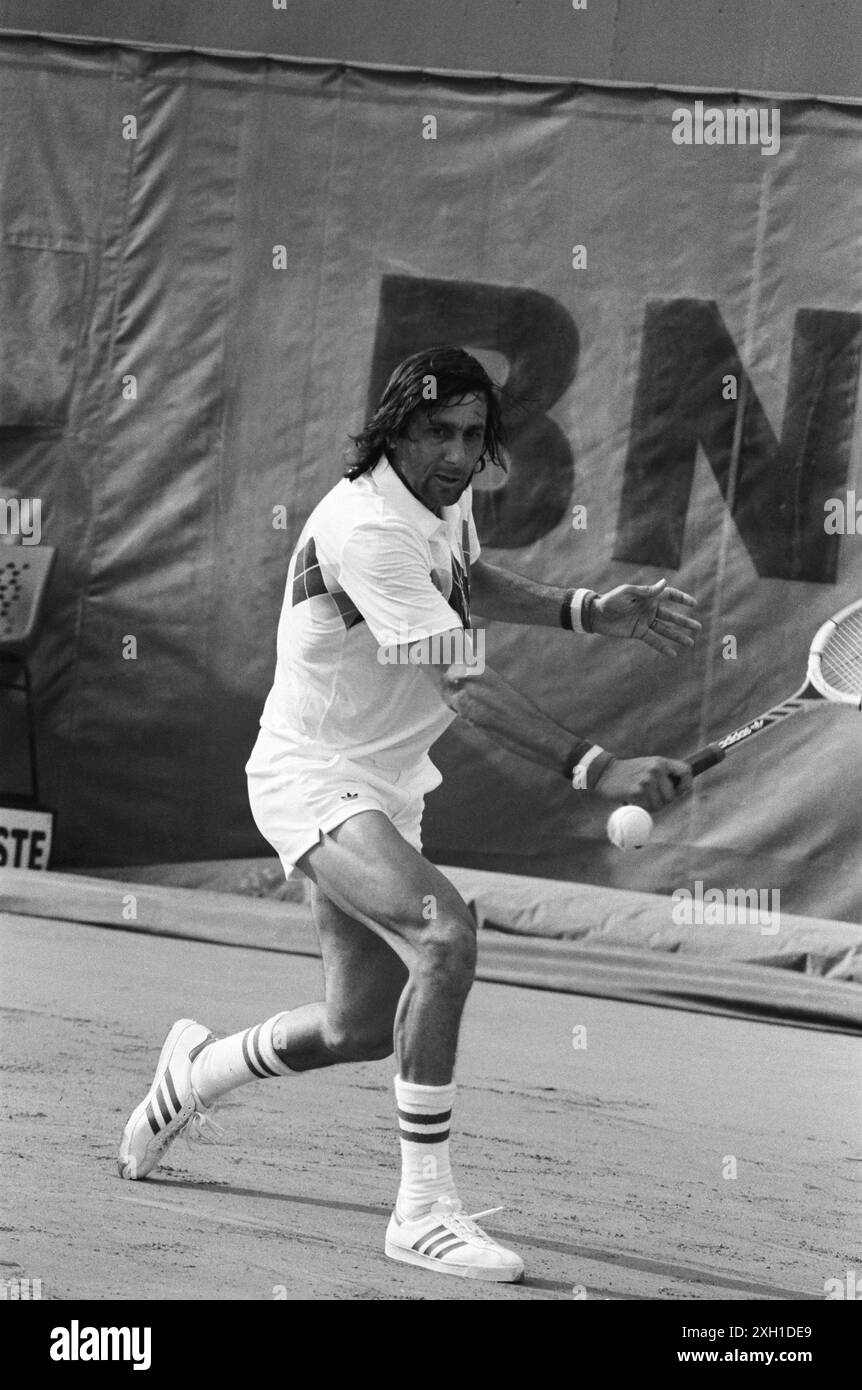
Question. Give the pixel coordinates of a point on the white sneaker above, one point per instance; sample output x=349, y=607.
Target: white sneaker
x=448, y=1240
x=170, y=1105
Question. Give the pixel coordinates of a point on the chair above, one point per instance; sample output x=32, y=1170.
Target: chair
x=24, y=574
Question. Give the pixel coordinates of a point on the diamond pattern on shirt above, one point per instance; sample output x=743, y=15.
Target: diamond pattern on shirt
x=308, y=582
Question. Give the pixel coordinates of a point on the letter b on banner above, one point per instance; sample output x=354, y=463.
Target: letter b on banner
x=539, y=340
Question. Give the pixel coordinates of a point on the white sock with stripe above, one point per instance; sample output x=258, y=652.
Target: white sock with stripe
x=222, y=1065
x=424, y=1115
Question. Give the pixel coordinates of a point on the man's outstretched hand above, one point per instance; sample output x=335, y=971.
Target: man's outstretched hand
x=644, y=611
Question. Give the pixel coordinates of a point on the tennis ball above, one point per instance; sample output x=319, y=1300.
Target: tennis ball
x=630, y=827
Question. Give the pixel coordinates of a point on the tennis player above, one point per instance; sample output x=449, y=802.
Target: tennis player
x=375, y=659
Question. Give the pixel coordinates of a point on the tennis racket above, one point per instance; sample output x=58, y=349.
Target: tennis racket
x=834, y=677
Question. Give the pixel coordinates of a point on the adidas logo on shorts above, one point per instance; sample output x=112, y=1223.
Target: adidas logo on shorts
x=349, y=796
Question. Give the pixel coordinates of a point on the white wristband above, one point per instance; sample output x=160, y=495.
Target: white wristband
x=581, y=769
x=577, y=608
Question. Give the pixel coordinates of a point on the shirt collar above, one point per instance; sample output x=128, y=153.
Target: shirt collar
x=387, y=481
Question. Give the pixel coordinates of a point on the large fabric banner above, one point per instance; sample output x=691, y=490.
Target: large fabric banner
x=208, y=268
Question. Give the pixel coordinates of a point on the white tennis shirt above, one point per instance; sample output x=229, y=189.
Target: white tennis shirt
x=372, y=566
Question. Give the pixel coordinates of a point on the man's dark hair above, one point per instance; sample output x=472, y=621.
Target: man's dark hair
x=456, y=375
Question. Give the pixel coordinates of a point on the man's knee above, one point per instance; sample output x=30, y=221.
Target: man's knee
x=446, y=950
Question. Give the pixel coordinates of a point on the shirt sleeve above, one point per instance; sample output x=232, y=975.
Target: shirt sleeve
x=386, y=573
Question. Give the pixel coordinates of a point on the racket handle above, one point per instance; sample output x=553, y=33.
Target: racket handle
x=704, y=758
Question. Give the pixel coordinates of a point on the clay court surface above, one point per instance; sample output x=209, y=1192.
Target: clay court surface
x=608, y=1159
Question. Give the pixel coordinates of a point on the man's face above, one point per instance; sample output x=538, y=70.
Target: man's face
x=438, y=453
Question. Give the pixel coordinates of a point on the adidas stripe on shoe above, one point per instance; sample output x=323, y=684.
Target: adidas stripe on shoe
x=450, y=1242
x=170, y=1105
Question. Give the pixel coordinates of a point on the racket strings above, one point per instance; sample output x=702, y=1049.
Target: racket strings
x=841, y=658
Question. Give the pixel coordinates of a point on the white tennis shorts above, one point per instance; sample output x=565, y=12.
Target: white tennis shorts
x=296, y=796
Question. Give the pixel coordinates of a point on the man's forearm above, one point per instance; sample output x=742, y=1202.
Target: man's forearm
x=489, y=703
x=513, y=598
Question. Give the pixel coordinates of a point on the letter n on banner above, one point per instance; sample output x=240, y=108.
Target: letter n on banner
x=539, y=340
x=781, y=486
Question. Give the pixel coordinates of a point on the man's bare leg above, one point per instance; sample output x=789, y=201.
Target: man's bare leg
x=370, y=874
x=363, y=982
x=367, y=870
